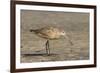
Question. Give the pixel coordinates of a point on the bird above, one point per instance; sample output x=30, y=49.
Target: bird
x=50, y=33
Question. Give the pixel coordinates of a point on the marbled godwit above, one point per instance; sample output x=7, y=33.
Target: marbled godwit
x=50, y=33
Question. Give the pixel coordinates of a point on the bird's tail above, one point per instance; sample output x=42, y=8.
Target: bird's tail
x=35, y=31
x=31, y=30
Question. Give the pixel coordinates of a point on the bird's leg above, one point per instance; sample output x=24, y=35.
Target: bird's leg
x=47, y=47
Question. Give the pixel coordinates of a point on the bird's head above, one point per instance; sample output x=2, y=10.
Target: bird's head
x=63, y=33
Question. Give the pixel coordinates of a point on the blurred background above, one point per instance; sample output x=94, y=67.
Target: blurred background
x=75, y=24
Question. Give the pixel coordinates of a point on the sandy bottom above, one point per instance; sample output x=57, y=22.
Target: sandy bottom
x=33, y=48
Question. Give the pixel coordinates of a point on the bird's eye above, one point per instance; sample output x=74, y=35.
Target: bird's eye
x=63, y=32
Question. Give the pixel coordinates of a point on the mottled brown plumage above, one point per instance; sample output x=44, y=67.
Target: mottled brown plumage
x=49, y=33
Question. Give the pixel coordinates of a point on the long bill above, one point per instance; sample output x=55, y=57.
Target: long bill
x=69, y=39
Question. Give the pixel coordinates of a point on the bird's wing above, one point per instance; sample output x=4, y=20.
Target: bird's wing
x=50, y=32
